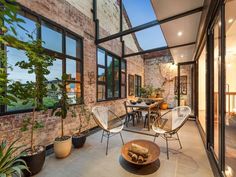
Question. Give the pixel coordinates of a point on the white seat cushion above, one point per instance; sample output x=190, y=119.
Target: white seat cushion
x=117, y=129
x=158, y=130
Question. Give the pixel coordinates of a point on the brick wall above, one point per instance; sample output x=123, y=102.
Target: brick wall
x=79, y=20
x=157, y=70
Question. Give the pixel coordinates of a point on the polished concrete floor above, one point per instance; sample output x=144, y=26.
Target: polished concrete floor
x=91, y=161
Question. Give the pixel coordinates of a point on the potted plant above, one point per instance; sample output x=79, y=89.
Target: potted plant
x=63, y=143
x=79, y=138
x=10, y=163
x=33, y=92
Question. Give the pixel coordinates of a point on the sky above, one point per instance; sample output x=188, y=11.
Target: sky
x=140, y=12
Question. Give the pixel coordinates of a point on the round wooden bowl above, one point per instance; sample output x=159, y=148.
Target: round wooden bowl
x=154, y=151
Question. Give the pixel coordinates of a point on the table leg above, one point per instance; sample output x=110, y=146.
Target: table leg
x=148, y=119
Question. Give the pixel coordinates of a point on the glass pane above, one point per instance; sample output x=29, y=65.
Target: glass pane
x=51, y=37
x=73, y=92
x=216, y=91
x=73, y=47
x=230, y=118
x=73, y=70
x=202, y=89
x=101, y=92
x=123, y=78
x=29, y=27
x=117, y=77
x=123, y=92
x=101, y=74
x=109, y=77
x=18, y=74
x=101, y=57
x=123, y=66
x=55, y=72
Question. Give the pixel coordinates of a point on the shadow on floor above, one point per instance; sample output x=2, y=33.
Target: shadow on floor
x=139, y=170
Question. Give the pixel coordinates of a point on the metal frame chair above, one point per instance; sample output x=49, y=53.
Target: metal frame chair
x=101, y=117
x=132, y=114
x=179, y=116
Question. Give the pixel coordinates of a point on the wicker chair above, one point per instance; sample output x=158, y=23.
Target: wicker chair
x=101, y=117
x=168, y=124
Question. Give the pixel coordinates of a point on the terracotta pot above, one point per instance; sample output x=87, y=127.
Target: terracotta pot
x=164, y=106
x=62, y=148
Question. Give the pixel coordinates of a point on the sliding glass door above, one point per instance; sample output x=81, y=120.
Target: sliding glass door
x=230, y=94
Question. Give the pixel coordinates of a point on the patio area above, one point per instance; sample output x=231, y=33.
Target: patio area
x=91, y=160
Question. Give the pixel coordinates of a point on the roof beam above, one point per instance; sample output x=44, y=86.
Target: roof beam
x=158, y=49
x=148, y=25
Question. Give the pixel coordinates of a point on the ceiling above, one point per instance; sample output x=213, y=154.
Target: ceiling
x=182, y=30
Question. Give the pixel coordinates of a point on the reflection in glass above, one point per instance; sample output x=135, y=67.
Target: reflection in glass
x=101, y=92
x=116, y=77
x=101, y=74
x=55, y=72
x=73, y=47
x=29, y=27
x=15, y=73
x=202, y=89
x=51, y=37
x=73, y=70
x=109, y=77
x=74, y=92
x=230, y=117
x=101, y=57
x=216, y=86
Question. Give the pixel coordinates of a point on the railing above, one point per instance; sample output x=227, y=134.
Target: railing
x=230, y=102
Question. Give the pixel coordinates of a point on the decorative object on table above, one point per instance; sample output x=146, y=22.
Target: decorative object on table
x=10, y=163
x=178, y=116
x=133, y=102
x=139, y=100
x=164, y=106
x=140, y=152
x=131, y=85
x=101, y=117
x=183, y=85
x=91, y=77
x=148, y=102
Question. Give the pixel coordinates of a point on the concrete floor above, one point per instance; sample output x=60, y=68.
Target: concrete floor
x=91, y=161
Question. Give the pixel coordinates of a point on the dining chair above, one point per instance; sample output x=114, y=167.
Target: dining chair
x=168, y=124
x=130, y=114
x=110, y=128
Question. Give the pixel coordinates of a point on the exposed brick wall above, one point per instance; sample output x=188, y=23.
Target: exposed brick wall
x=156, y=72
x=81, y=23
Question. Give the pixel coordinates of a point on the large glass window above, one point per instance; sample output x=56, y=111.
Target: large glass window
x=202, y=89
x=230, y=95
x=68, y=60
x=111, y=76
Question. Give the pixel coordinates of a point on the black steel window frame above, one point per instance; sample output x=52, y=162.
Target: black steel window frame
x=137, y=85
x=125, y=83
x=62, y=56
x=104, y=83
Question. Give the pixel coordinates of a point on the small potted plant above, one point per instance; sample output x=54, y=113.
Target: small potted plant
x=10, y=163
x=62, y=143
x=79, y=138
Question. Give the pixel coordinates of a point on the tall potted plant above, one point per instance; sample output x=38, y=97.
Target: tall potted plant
x=79, y=138
x=62, y=143
x=33, y=92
